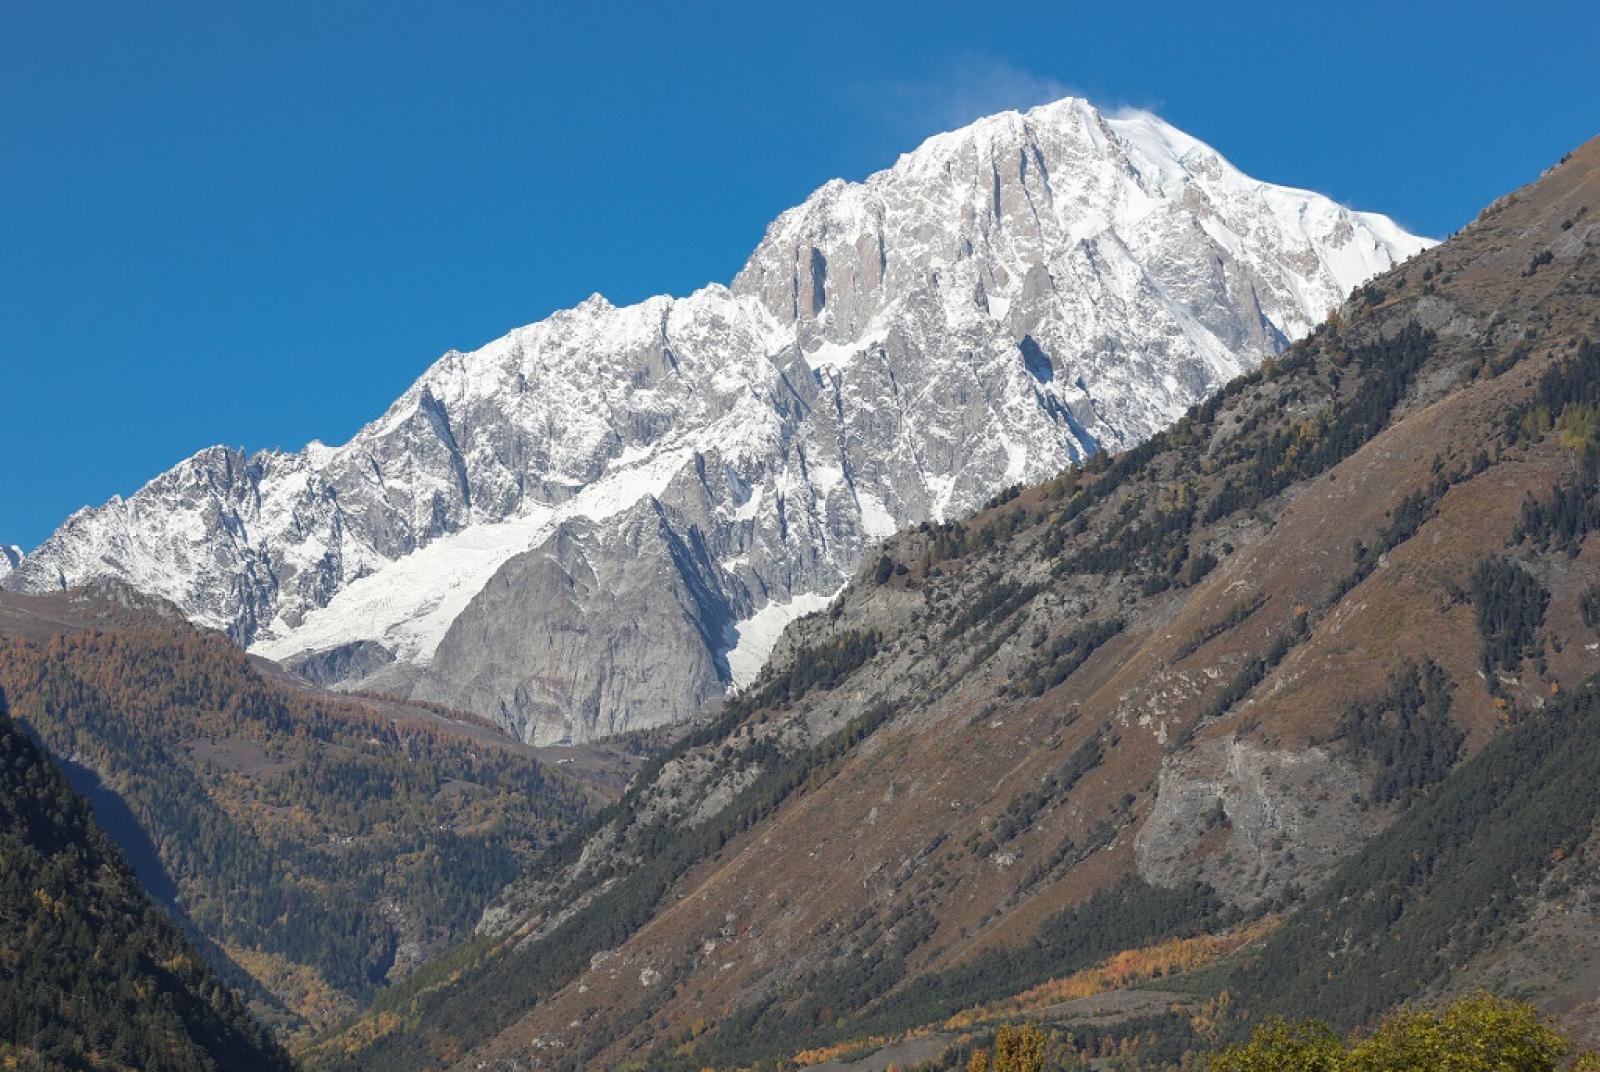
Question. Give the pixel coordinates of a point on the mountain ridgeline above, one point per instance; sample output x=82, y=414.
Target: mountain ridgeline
x=600, y=521
x=1299, y=684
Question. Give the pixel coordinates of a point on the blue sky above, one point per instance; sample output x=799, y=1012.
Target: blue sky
x=255, y=224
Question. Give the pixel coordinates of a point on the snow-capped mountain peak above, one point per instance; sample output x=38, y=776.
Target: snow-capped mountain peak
x=597, y=521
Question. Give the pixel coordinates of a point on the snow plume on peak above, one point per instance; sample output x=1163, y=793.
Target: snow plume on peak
x=598, y=521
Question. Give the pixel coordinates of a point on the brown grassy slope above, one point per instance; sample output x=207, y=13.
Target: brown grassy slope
x=899, y=851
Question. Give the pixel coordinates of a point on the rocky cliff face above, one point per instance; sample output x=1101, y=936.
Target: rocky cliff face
x=597, y=522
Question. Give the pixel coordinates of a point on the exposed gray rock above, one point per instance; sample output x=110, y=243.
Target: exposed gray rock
x=1250, y=821
x=357, y=659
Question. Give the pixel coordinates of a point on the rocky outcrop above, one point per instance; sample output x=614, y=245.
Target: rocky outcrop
x=355, y=660
x=1254, y=824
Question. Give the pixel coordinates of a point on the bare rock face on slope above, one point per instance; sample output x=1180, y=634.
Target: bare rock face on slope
x=1250, y=822
x=1005, y=299
x=587, y=632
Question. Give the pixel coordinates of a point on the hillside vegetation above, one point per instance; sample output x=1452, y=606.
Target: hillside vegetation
x=92, y=975
x=318, y=847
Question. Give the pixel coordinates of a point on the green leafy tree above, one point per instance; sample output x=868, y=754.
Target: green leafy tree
x=1476, y=1033
x=1279, y=1046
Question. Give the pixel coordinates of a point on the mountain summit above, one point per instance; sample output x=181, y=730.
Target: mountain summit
x=600, y=521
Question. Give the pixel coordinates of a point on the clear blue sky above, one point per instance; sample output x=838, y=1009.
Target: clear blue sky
x=255, y=223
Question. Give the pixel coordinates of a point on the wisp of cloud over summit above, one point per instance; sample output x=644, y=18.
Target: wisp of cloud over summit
x=970, y=88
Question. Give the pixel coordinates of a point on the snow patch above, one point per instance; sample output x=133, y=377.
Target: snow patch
x=833, y=357
x=876, y=521
x=751, y=641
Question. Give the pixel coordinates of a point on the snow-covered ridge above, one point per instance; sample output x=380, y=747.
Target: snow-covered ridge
x=10, y=559
x=694, y=471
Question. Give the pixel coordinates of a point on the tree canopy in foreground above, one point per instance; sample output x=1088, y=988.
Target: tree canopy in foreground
x=1476, y=1033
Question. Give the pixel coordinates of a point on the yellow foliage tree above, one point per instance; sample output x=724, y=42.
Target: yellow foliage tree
x=1577, y=426
x=1019, y=1049
x=1016, y=1049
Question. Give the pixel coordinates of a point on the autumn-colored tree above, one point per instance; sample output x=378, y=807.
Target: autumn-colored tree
x=1016, y=1049
x=1019, y=1049
x=1577, y=426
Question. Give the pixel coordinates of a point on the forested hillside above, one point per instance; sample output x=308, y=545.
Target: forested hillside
x=317, y=846
x=1230, y=710
x=92, y=975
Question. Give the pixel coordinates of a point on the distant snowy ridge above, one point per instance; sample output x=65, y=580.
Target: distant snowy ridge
x=10, y=559
x=598, y=521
